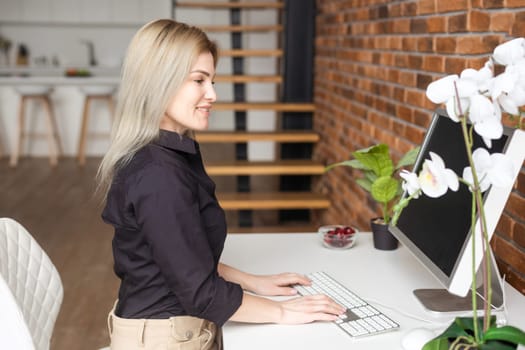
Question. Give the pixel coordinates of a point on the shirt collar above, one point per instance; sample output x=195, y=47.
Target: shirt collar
x=177, y=142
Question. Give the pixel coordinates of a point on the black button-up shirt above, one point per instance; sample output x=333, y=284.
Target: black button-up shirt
x=169, y=235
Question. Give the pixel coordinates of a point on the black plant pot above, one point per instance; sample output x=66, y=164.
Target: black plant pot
x=383, y=239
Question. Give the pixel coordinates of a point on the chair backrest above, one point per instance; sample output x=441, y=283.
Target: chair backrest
x=33, y=280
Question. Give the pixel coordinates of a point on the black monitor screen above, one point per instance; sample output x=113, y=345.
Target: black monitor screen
x=439, y=226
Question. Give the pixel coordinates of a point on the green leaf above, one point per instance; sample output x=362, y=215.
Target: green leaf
x=370, y=176
x=377, y=159
x=497, y=345
x=365, y=184
x=409, y=158
x=353, y=163
x=442, y=341
x=507, y=333
x=438, y=343
x=384, y=189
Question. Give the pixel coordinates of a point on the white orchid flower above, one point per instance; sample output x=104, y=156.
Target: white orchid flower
x=509, y=88
x=444, y=91
x=510, y=52
x=435, y=179
x=411, y=183
x=492, y=169
x=441, y=90
x=486, y=118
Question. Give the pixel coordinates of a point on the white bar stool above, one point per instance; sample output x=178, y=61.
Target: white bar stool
x=91, y=93
x=36, y=93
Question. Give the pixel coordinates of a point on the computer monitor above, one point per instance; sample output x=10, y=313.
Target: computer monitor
x=438, y=230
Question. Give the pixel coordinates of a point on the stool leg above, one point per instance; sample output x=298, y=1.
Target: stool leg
x=13, y=162
x=52, y=136
x=81, y=154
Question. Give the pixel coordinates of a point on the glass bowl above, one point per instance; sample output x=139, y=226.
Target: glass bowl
x=337, y=236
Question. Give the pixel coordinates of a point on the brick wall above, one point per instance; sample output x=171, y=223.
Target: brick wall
x=374, y=60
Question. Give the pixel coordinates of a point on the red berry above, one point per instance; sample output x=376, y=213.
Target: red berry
x=349, y=230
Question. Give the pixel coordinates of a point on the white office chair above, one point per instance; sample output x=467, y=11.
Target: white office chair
x=31, y=291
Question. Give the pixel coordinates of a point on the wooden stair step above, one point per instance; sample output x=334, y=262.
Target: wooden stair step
x=231, y=5
x=272, y=200
x=251, y=52
x=280, y=167
x=242, y=28
x=247, y=136
x=273, y=106
x=249, y=79
x=286, y=228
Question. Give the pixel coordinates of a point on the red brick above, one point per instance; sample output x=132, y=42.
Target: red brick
x=424, y=44
x=394, y=10
x=516, y=205
x=418, y=25
x=409, y=9
x=422, y=118
x=478, y=21
x=519, y=234
x=505, y=226
x=434, y=63
x=520, y=183
x=414, y=134
x=452, y=5
x=410, y=43
x=474, y=45
x=454, y=65
x=423, y=80
x=518, y=29
x=509, y=253
x=446, y=44
x=491, y=4
x=425, y=7
x=515, y=3
x=517, y=281
x=457, y=23
x=401, y=60
x=501, y=21
x=437, y=24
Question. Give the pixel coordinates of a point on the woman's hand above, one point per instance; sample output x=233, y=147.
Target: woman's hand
x=280, y=284
x=270, y=285
x=309, y=309
x=299, y=310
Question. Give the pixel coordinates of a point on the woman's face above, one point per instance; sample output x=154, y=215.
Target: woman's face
x=190, y=107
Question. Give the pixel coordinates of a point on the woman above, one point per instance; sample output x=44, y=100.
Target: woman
x=169, y=227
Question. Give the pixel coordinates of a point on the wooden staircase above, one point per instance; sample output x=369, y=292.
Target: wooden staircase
x=256, y=200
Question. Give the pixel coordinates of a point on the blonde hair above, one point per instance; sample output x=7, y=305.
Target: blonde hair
x=157, y=62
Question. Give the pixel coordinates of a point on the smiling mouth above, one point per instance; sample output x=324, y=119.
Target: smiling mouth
x=204, y=109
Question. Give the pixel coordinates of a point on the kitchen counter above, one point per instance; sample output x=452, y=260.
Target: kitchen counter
x=67, y=98
x=100, y=75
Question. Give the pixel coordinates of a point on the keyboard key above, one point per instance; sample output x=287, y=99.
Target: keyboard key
x=360, y=318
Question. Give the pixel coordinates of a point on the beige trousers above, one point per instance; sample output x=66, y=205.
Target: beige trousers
x=175, y=333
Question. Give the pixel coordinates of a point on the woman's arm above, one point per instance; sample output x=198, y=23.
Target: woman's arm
x=300, y=310
x=279, y=284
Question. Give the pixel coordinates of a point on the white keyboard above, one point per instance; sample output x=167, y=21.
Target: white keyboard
x=361, y=318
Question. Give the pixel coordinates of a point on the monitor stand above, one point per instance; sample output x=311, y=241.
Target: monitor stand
x=441, y=301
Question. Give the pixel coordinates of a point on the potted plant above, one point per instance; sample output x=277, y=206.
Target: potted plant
x=380, y=178
x=476, y=100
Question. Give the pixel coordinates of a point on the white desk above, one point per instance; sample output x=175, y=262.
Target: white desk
x=386, y=276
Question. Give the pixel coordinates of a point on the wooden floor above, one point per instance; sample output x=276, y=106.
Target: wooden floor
x=57, y=207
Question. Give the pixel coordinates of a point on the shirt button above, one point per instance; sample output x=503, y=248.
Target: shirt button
x=189, y=334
